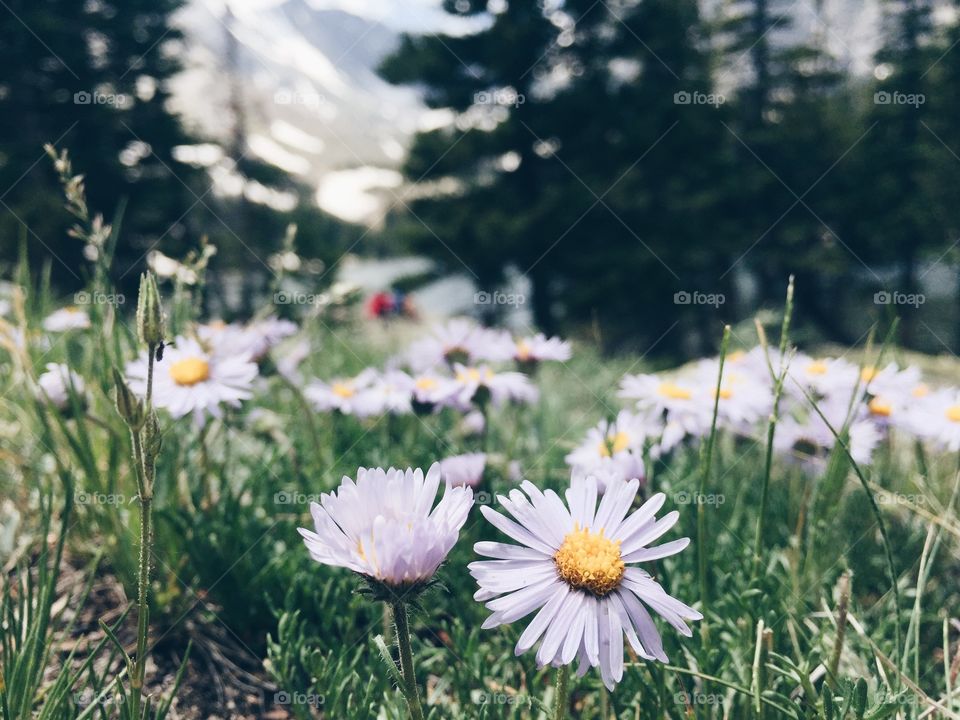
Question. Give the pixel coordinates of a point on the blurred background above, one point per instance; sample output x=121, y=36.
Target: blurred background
x=635, y=171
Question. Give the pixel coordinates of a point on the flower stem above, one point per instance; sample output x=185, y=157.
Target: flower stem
x=406, y=660
x=562, y=695
x=145, y=495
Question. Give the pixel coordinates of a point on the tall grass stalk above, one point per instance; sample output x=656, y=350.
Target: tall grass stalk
x=706, y=461
x=778, y=379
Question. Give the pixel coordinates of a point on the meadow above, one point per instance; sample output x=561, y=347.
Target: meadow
x=158, y=463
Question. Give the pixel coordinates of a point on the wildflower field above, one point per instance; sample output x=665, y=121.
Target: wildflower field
x=312, y=514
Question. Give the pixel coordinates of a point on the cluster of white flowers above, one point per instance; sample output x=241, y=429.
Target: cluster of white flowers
x=868, y=401
x=458, y=365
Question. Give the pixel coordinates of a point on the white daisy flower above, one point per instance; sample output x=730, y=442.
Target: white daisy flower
x=936, y=417
x=572, y=566
x=267, y=333
x=190, y=379
x=343, y=394
x=390, y=392
x=58, y=383
x=538, y=348
x=476, y=384
x=255, y=339
x=464, y=469
x=612, y=448
x=5, y=308
x=687, y=408
x=745, y=399
x=891, y=392
x=384, y=525
x=811, y=440
x=431, y=390
x=460, y=341
x=821, y=377
x=68, y=318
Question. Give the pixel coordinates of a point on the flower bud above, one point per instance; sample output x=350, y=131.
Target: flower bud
x=152, y=439
x=149, y=311
x=129, y=405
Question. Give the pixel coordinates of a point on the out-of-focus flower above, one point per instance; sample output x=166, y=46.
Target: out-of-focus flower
x=342, y=394
x=460, y=341
x=612, y=448
x=384, y=525
x=431, y=390
x=823, y=378
x=936, y=417
x=572, y=566
x=479, y=384
x=255, y=339
x=68, y=318
x=390, y=392
x=687, y=408
x=193, y=380
x=464, y=469
x=169, y=268
x=810, y=439
x=59, y=383
x=535, y=349
x=744, y=397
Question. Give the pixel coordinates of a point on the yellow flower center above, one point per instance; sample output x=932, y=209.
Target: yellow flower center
x=953, y=413
x=523, y=350
x=341, y=389
x=817, y=367
x=921, y=391
x=190, y=371
x=674, y=391
x=880, y=407
x=725, y=393
x=736, y=356
x=426, y=383
x=868, y=374
x=471, y=374
x=72, y=309
x=614, y=444
x=590, y=561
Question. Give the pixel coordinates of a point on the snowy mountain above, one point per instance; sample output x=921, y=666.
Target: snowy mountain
x=311, y=102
